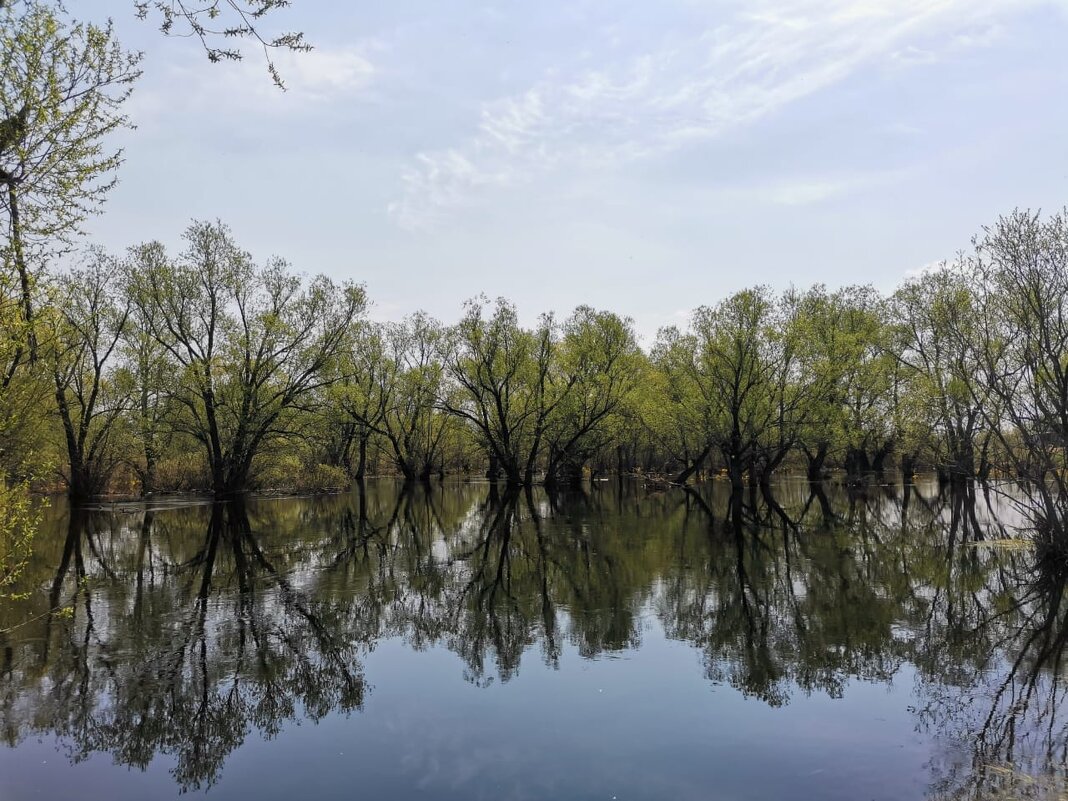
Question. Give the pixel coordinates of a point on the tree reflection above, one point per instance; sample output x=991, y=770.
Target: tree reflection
x=181, y=648
x=182, y=632
x=1004, y=705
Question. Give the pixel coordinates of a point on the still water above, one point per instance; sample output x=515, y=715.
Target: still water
x=459, y=643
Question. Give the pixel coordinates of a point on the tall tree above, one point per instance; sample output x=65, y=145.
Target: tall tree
x=412, y=423
x=506, y=387
x=543, y=397
x=255, y=345
x=841, y=336
x=148, y=369
x=361, y=396
x=672, y=408
x=62, y=87
x=1020, y=269
x=600, y=358
x=730, y=360
x=936, y=321
x=92, y=315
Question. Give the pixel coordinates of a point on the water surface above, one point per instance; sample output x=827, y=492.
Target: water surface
x=461, y=643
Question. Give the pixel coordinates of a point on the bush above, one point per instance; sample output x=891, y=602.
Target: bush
x=186, y=472
x=287, y=473
x=18, y=524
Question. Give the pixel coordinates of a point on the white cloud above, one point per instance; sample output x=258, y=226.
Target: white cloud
x=318, y=77
x=924, y=269
x=912, y=56
x=803, y=193
x=809, y=190
x=326, y=73
x=692, y=88
x=903, y=129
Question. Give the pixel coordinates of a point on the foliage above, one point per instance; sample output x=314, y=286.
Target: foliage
x=18, y=525
x=253, y=346
x=210, y=372
x=91, y=399
x=62, y=87
x=226, y=21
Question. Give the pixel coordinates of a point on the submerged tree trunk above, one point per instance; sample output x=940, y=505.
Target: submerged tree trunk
x=81, y=480
x=566, y=474
x=361, y=459
x=694, y=466
x=80, y=486
x=512, y=476
x=879, y=459
x=816, y=461
x=857, y=465
x=426, y=473
x=908, y=467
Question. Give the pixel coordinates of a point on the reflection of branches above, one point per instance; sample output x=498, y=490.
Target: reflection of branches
x=194, y=627
x=1007, y=707
x=192, y=685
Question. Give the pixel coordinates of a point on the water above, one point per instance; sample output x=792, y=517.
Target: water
x=624, y=643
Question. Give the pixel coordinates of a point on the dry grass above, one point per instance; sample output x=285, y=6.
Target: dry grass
x=1010, y=784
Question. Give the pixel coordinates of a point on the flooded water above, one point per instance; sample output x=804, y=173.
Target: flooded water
x=460, y=643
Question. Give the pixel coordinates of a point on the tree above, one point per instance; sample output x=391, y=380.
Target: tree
x=359, y=398
x=841, y=337
x=672, y=408
x=148, y=369
x=24, y=408
x=600, y=358
x=392, y=380
x=62, y=87
x=411, y=422
x=794, y=387
x=730, y=360
x=936, y=320
x=254, y=345
x=90, y=320
x=506, y=387
x=543, y=397
x=25, y=395
x=1020, y=272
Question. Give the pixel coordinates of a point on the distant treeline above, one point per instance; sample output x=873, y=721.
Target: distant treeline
x=204, y=370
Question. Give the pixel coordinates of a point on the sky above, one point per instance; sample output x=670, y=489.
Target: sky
x=641, y=157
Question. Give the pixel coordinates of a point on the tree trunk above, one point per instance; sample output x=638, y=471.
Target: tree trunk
x=19, y=255
x=513, y=477
x=361, y=459
x=816, y=462
x=80, y=487
x=735, y=473
x=148, y=479
x=736, y=507
x=879, y=460
x=693, y=467
x=908, y=467
x=857, y=465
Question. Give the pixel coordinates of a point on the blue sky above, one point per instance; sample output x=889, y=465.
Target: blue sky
x=642, y=157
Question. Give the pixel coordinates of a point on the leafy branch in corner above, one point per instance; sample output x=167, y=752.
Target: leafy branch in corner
x=214, y=22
